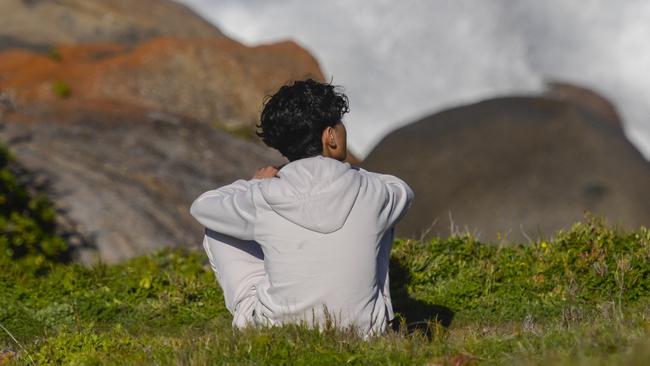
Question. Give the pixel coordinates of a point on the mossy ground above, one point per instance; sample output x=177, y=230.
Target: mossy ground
x=581, y=298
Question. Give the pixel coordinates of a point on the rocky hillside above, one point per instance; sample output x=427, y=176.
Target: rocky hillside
x=153, y=53
x=123, y=112
x=39, y=24
x=521, y=167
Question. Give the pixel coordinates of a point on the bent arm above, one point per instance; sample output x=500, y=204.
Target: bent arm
x=400, y=197
x=397, y=200
x=228, y=210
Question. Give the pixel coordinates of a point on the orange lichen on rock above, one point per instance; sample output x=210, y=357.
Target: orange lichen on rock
x=585, y=98
x=214, y=80
x=31, y=75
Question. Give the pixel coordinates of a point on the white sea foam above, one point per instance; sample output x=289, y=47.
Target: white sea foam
x=401, y=60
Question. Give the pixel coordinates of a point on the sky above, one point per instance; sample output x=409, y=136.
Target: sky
x=399, y=61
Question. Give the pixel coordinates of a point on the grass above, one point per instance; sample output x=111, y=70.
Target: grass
x=167, y=308
x=581, y=298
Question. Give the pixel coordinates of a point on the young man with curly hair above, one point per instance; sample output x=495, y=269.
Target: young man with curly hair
x=309, y=242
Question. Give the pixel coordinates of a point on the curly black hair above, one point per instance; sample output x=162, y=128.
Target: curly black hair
x=294, y=118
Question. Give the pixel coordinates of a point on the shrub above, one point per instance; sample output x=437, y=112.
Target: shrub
x=26, y=221
x=54, y=54
x=61, y=89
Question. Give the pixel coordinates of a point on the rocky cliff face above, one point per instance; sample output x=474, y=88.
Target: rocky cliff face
x=123, y=177
x=43, y=23
x=522, y=167
x=118, y=110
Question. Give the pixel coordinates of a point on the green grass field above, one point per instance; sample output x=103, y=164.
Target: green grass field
x=581, y=298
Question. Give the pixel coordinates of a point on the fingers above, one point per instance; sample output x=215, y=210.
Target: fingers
x=266, y=172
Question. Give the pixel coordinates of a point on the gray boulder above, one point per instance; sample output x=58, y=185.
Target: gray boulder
x=123, y=178
x=519, y=167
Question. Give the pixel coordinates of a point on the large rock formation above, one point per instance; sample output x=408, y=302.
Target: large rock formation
x=111, y=108
x=42, y=23
x=124, y=177
x=522, y=167
x=153, y=53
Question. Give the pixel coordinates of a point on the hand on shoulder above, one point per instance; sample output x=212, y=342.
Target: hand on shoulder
x=266, y=172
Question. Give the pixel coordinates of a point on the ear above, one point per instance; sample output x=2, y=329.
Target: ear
x=329, y=138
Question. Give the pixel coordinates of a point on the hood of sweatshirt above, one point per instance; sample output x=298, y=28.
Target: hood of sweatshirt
x=316, y=193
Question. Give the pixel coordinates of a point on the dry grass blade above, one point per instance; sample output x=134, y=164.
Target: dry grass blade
x=7, y=355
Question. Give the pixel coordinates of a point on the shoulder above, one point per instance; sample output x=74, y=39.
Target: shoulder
x=380, y=178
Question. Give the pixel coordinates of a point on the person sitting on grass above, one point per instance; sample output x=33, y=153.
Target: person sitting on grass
x=309, y=242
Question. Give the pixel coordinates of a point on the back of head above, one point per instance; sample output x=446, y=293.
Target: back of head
x=294, y=118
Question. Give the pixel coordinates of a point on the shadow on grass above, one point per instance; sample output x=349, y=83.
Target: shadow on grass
x=418, y=315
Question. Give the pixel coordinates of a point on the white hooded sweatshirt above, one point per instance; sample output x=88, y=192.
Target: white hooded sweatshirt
x=325, y=229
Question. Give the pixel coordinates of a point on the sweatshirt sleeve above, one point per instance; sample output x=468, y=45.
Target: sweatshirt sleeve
x=397, y=200
x=229, y=210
